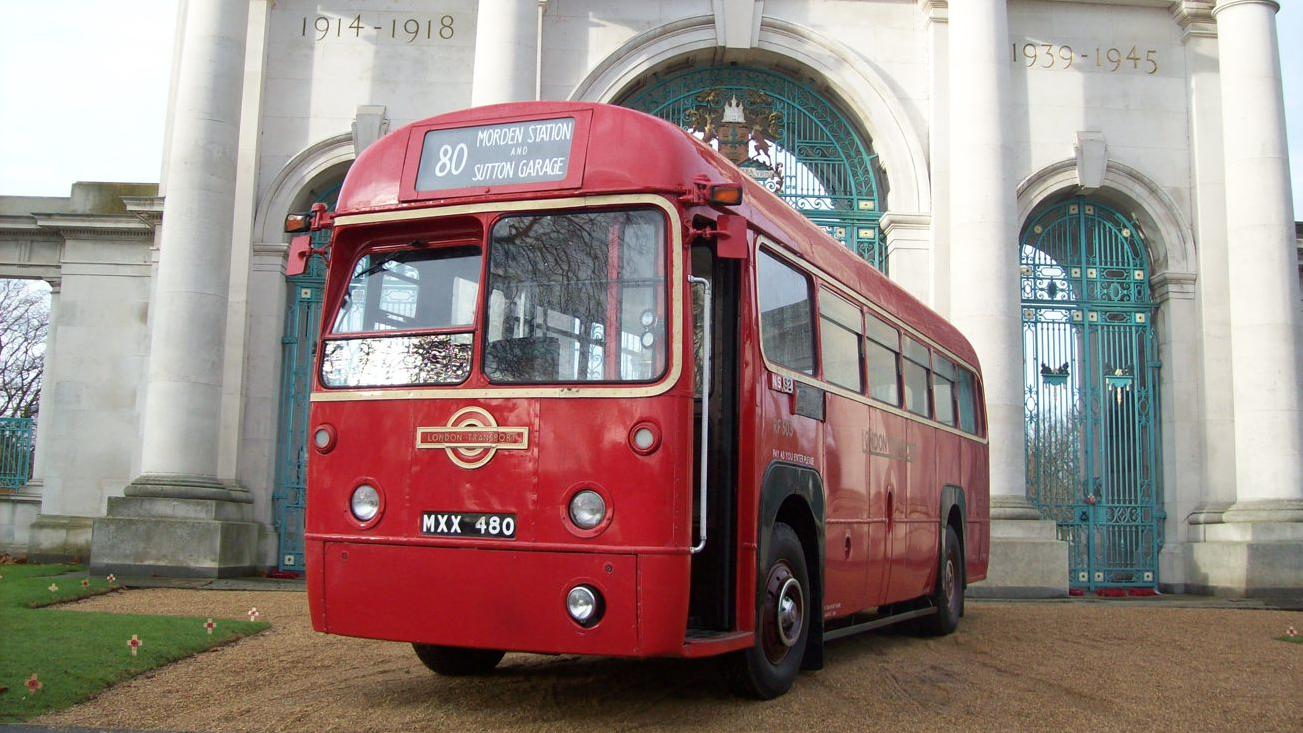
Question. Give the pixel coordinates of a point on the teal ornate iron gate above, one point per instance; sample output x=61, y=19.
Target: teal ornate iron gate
x=17, y=448
x=792, y=140
x=1091, y=376
x=298, y=351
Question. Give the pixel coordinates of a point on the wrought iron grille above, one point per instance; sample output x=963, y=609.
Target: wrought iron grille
x=305, y=295
x=788, y=137
x=1091, y=377
x=17, y=450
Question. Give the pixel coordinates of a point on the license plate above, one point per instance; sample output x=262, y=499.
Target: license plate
x=468, y=524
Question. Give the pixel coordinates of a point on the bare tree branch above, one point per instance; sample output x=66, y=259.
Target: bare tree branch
x=24, y=323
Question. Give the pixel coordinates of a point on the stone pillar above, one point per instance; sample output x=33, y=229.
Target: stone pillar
x=43, y=406
x=1199, y=466
x=909, y=252
x=937, y=13
x=505, y=52
x=178, y=517
x=1026, y=559
x=1258, y=547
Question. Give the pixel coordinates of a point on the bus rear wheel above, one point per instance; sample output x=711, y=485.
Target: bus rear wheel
x=769, y=668
x=454, y=661
x=949, y=595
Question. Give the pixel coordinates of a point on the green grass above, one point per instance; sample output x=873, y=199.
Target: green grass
x=1291, y=639
x=76, y=654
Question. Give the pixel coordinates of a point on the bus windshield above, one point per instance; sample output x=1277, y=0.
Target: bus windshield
x=572, y=297
x=576, y=297
x=407, y=290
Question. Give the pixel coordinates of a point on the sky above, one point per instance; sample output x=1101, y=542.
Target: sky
x=83, y=91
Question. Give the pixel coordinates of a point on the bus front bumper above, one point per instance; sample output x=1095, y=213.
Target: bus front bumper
x=509, y=599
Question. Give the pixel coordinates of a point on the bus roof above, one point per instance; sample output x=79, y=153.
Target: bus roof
x=523, y=150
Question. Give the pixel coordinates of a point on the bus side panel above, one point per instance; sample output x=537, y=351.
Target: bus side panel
x=950, y=472
x=754, y=380
x=846, y=487
x=924, y=509
x=977, y=480
x=891, y=467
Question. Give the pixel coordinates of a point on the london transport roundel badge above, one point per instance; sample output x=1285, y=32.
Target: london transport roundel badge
x=472, y=437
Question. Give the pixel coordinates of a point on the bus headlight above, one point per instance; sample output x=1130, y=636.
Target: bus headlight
x=584, y=604
x=365, y=503
x=587, y=509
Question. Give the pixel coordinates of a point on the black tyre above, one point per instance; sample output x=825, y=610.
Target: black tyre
x=949, y=595
x=454, y=661
x=769, y=668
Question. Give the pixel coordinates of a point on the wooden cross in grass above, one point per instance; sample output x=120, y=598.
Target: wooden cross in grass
x=134, y=643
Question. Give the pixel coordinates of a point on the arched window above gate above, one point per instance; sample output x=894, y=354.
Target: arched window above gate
x=789, y=138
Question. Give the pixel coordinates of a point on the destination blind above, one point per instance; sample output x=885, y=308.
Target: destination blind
x=491, y=155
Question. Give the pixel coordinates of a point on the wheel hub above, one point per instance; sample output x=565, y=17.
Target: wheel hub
x=784, y=613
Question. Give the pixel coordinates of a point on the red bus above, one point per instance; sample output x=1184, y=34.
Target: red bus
x=584, y=387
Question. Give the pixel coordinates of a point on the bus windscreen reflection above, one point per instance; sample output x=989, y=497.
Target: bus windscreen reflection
x=392, y=361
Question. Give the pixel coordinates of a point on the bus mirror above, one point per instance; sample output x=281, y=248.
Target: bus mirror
x=295, y=223
x=731, y=237
x=300, y=250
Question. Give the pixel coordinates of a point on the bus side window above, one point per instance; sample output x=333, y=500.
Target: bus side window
x=943, y=389
x=917, y=360
x=883, y=354
x=840, y=331
x=786, y=331
x=966, y=399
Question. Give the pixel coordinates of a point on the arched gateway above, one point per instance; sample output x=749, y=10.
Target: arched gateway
x=1091, y=378
x=792, y=139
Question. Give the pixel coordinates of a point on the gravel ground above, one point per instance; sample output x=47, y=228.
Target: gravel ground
x=1121, y=665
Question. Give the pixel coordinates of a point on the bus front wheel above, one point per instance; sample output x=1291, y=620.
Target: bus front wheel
x=454, y=661
x=769, y=668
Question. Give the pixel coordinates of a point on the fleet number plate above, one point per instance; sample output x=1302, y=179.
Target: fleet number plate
x=468, y=524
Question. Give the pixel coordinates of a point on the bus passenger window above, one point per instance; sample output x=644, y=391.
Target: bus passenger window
x=839, y=336
x=916, y=377
x=943, y=388
x=966, y=399
x=882, y=352
x=786, y=333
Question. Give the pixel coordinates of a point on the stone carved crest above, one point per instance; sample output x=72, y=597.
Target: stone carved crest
x=746, y=133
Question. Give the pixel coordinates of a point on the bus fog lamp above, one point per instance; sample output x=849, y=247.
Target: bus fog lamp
x=644, y=439
x=365, y=503
x=323, y=439
x=584, y=604
x=587, y=509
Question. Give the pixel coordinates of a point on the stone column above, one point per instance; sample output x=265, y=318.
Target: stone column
x=937, y=13
x=43, y=406
x=178, y=517
x=1263, y=266
x=1258, y=549
x=505, y=52
x=1026, y=559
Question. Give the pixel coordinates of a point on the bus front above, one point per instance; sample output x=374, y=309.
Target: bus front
x=502, y=421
